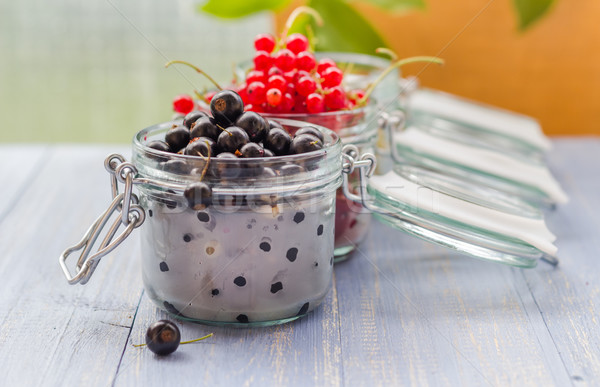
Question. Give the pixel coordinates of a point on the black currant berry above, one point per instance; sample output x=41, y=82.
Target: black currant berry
x=178, y=167
x=278, y=141
x=201, y=147
x=254, y=124
x=198, y=195
x=310, y=130
x=252, y=149
x=290, y=169
x=159, y=145
x=226, y=106
x=229, y=170
x=205, y=127
x=192, y=117
x=274, y=124
x=305, y=143
x=163, y=337
x=232, y=139
x=177, y=137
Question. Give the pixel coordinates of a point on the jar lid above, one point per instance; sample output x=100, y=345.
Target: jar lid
x=502, y=127
x=444, y=211
x=502, y=169
x=473, y=219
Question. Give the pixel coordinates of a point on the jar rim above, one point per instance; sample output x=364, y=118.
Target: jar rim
x=318, y=168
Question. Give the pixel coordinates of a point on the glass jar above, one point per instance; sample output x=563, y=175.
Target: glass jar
x=354, y=127
x=258, y=250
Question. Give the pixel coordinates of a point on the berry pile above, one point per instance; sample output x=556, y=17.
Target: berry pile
x=232, y=133
x=287, y=78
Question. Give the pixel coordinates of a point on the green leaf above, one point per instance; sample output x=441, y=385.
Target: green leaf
x=344, y=28
x=397, y=5
x=230, y=9
x=528, y=11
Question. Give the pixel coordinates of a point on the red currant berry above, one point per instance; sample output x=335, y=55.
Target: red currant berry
x=277, y=82
x=274, y=71
x=274, y=97
x=315, y=103
x=306, y=61
x=299, y=74
x=324, y=64
x=183, y=104
x=256, y=93
x=335, y=98
x=291, y=89
x=332, y=76
x=255, y=76
x=296, y=43
x=209, y=96
x=306, y=86
x=356, y=95
x=290, y=76
x=264, y=42
x=287, y=103
x=248, y=107
x=241, y=90
x=262, y=60
x=285, y=59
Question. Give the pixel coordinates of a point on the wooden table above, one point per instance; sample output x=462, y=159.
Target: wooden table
x=401, y=311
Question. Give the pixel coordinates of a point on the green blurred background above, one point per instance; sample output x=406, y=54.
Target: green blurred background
x=93, y=71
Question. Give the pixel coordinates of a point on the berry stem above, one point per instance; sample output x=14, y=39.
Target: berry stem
x=225, y=130
x=197, y=69
x=204, y=171
x=195, y=340
x=183, y=342
x=295, y=14
x=388, y=52
x=393, y=66
x=201, y=97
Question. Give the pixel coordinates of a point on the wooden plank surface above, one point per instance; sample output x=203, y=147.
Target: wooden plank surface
x=401, y=311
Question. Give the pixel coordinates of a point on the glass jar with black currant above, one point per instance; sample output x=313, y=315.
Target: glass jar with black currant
x=239, y=237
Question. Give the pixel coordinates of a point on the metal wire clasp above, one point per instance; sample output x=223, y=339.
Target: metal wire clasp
x=131, y=215
x=365, y=164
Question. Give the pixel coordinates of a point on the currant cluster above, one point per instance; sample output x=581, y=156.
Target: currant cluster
x=287, y=78
x=232, y=133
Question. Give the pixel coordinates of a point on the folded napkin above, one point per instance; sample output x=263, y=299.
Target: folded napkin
x=419, y=198
x=485, y=160
x=476, y=114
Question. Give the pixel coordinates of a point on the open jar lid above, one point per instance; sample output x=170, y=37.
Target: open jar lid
x=503, y=128
x=469, y=156
x=473, y=219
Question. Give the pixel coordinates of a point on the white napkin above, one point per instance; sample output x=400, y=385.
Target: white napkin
x=488, y=161
x=531, y=231
x=473, y=113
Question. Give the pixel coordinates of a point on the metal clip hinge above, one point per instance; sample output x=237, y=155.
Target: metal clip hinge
x=131, y=216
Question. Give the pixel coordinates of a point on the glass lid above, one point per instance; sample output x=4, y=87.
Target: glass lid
x=475, y=220
x=467, y=134
x=469, y=158
x=474, y=176
x=502, y=127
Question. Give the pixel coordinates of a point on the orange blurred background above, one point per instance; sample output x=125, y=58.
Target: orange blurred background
x=550, y=72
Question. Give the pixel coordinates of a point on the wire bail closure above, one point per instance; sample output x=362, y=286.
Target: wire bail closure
x=131, y=215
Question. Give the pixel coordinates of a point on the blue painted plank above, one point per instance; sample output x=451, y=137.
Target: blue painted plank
x=569, y=297
x=52, y=333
